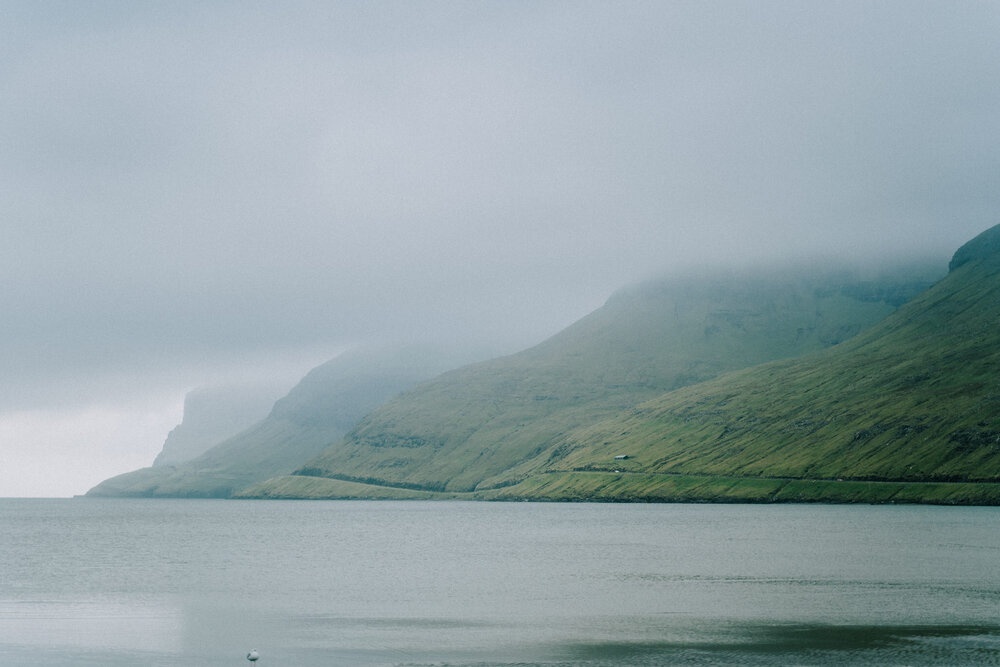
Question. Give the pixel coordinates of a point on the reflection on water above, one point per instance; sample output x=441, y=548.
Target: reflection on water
x=117, y=582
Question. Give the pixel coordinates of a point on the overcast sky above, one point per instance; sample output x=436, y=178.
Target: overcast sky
x=200, y=190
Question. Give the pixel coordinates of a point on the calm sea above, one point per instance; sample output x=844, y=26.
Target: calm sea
x=189, y=582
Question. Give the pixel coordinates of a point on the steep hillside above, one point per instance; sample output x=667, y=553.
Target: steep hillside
x=319, y=410
x=472, y=428
x=907, y=411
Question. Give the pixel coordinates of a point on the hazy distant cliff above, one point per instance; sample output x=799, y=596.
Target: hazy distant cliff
x=212, y=414
x=323, y=406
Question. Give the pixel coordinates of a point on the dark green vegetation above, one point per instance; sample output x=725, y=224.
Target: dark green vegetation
x=319, y=410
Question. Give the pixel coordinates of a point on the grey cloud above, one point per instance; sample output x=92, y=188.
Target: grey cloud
x=186, y=182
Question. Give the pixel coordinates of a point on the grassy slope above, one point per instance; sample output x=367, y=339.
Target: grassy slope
x=646, y=487
x=915, y=399
x=475, y=428
x=638, y=487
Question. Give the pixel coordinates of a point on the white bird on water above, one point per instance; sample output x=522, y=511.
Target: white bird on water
x=253, y=656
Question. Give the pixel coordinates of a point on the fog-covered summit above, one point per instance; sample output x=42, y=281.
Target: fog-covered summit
x=983, y=246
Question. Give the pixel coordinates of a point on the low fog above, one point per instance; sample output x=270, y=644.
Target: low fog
x=199, y=192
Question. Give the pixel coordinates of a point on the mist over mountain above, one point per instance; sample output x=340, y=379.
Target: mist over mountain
x=905, y=410
x=477, y=427
x=212, y=414
x=795, y=383
x=201, y=192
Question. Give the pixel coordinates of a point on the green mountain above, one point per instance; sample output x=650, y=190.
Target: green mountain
x=490, y=426
x=906, y=411
x=319, y=410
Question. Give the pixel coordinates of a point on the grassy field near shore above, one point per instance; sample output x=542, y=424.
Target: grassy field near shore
x=638, y=487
